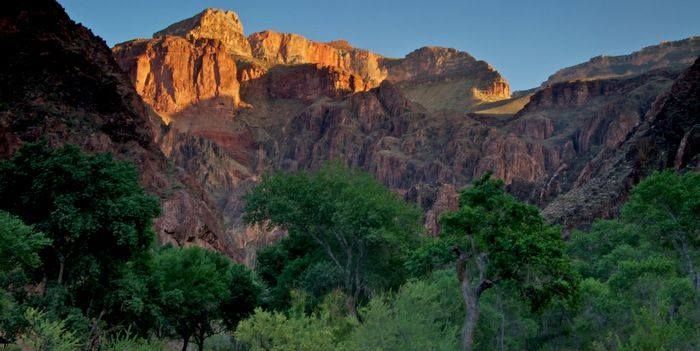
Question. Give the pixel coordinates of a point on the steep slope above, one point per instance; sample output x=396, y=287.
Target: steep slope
x=447, y=79
x=61, y=83
x=287, y=48
x=173, y=74
x=669, y=137
x=673, y=55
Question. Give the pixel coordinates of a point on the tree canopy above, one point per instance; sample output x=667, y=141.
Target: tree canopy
x=362, y=229
x=201, y=292
x=505, y=240
x=90, y=206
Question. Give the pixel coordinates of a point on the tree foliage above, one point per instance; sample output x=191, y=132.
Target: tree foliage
x=361, y=228
x=19, y=256
x=91, y=207
x=201, y=291
x=505, y=240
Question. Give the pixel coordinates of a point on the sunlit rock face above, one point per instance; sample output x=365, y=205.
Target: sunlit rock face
x=173, y=75
x=287, y=48
x=224, y=26
x=284, y=102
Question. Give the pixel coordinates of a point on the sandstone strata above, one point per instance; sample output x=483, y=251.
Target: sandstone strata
x=675, y=55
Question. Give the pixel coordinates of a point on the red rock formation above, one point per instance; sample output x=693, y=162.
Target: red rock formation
x=288, y=48
x=403, y=120
x=668, y=137
x=173, y=74
x=311, y=81
x=212, y=24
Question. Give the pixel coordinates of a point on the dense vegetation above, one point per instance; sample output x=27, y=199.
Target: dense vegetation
x=79, y=265
x=79, y=268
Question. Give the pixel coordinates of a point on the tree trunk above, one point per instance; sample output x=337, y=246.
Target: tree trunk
x=352, y=305
x=61, y=266
x=471, y=317
x=470, y=293
x=185, y=342
x=200, y=345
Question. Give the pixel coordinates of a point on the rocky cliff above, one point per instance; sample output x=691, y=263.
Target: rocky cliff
x=224, y=26
x=667, y=137
x=439, y=78
x=173, y=75
x=61, y=83
x=287, y=48
x=239, y=108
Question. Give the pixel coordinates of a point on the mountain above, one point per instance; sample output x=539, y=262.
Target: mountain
x=61, y=83
x=204, y=111
x=425, y=125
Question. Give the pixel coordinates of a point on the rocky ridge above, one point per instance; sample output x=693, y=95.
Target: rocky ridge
x=676, y=55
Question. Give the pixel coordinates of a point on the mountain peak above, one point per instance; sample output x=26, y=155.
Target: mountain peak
x=212, y=23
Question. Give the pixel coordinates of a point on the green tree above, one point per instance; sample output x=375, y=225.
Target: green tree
x=361, y=228
x=273, y=331
x=19, y=256
x=666, y=208
x=638, y=290
x=201, y=292
x=296, y=263
x=504, y=241
x=44, y=334
x=94, y=211
x=422, y=315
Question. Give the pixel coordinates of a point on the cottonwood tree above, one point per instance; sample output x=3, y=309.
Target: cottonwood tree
x=504, y=240
x=363, y=229
x=93, y=210
x=201, y=292
x=666, y=209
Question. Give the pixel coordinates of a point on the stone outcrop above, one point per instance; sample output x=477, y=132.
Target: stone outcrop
x=443, y=78
x=438, y=78
x=61, y=83
x=173, y=75
x=224, y=26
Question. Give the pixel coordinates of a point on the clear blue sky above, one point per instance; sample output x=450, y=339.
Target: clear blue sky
x=525, y=40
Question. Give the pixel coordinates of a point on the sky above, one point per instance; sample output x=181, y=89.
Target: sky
x=525, y=40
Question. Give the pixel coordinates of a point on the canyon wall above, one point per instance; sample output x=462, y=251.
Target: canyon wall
x=408, y=121
x=204, y=112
